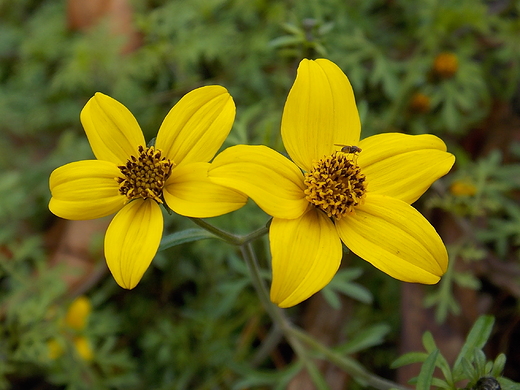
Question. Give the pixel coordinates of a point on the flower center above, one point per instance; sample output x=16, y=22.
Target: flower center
x=336, y=185
x=144, y=176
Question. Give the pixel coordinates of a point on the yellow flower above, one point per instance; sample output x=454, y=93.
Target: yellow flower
x=83, y=348
x=78, y=312
x=132, y=180
x=338, y=189
x=463, y=188
x=75, y=320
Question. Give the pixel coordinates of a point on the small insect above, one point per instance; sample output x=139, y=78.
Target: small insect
x=353, y=149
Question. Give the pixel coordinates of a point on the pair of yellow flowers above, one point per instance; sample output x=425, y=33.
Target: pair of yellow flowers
x=326, y=195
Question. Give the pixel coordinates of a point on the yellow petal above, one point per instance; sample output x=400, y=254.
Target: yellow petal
x=394, y=237
x=407, y=175
x=320, y=111
x=78, y=312
x=267, y=177
x=189, y=192
x=306, y=255
x=111, y=129
x=382, y=146
x=197, y=125
x=85, y=190
x=132, y=240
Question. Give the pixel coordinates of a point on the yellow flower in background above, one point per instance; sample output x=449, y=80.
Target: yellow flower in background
x=338, y=188
x=132, y=180
x=83, y=348
x=78, y=313
x=75, y=321
x=463, y=188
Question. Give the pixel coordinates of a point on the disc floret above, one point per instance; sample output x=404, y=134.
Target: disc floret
x=144, y=176
x=336, y=185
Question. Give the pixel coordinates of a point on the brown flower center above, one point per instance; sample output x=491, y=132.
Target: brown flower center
x=336, y=185
x=144, y=176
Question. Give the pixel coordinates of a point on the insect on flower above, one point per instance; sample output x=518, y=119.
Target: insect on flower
x=349, y=149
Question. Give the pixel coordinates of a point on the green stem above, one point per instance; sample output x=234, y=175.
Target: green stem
x=348, y=365
x=297, y=338
x=230, y=238
x=277, y=315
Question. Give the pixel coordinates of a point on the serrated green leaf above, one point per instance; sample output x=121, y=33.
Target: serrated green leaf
x=184, y=236
x=424, y=380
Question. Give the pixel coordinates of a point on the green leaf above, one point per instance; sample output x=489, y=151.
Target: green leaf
x=184, y=236
x=424, y=380
x=409, y=358
x=466, y=280
x=356, y=291
x=332, y=298
x=367, y=338
x=429, y=342
x=476, y=339
x=443, y=364
x=438, y=382
x=498, y=365
x=467, y=369
x=508, y=384
x=480, y=362
x=285, y=40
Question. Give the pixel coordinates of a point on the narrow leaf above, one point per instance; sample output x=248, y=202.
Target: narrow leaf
x=409, y=358
x=477, y=338
x=184, y=236
x=367, y=338
x=424, y=380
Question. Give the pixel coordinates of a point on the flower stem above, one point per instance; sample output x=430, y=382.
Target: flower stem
x=230, y=238
x=299, y=340
x=225, y=236
x=346, y=364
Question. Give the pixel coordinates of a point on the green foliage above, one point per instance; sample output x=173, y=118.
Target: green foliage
x=195, y=322
x=470, y=365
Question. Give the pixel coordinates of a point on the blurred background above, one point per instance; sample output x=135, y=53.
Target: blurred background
x=450, y=68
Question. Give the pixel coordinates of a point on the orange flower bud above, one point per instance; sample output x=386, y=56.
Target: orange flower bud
x=420, y=103
x=445, y=65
